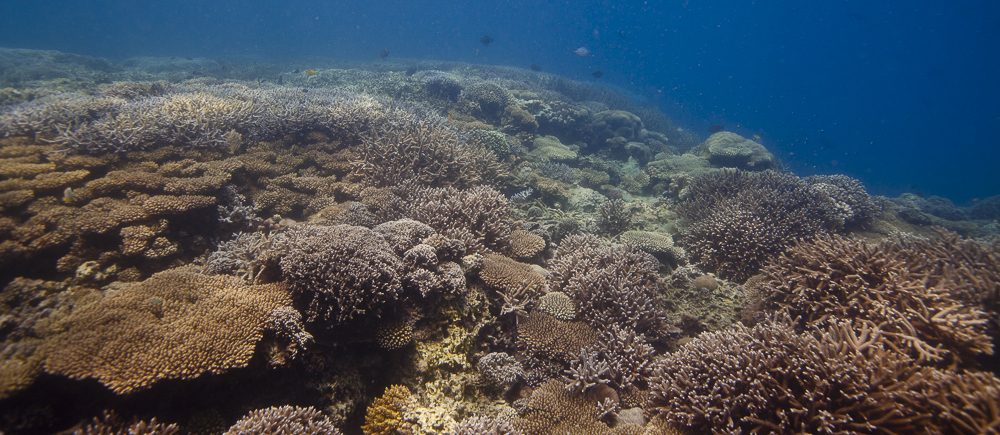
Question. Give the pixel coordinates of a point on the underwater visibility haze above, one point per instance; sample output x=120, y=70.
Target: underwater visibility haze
x=514, y=217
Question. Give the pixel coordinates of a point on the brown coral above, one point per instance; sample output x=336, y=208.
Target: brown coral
x=845, y=378
x=543, y=335
x=385, y=414
x=552, y=410
x=284, y=420
x=424, y=150
x=928, y=296
x=525, y=245
x=177, y=324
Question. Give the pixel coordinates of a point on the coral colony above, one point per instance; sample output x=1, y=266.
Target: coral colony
x=423, y=247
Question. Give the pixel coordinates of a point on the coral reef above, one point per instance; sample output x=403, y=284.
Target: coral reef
x=385, y=414
x=613, y=217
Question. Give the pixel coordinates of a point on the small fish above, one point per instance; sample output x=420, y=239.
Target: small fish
x=976, y=200
x=310, y=71
x=582, y=51
x=188, y=58
x=279, y=79
x=68, y=196
x=758, y=139
x=535, y=67
x=598, y=74
x=296, y=71
x=305, y=91
x=621, y=34
x=384, y=54
x=486, y=40
x=716, y=128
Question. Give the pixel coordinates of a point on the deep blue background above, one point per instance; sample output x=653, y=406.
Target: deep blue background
x=903, y=95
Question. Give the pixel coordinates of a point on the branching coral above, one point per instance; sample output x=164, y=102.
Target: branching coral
x=424, y=149
x=479, y=216
x=843, y=379
x=927, y=296
x=286, y=420
x=612, y=284
x=742, y=219
x=343, y=271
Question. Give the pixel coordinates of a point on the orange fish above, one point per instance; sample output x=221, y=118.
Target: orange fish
x=310, y=71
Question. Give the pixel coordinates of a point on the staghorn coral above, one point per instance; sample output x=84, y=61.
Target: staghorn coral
x=424, y=149
x=479, y=216
x=844, y=378
x=628, y=355
x=929, y=297
x=284, y=420
x=742, y=219
x=343, y=271
x=177, y=324
x=110, y=424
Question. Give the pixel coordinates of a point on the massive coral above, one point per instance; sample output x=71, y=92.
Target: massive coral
x=177, y=324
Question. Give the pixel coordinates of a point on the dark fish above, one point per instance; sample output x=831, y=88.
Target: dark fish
x=716, y=128
x=486, y=40
x=535, y=67
x=279, y=79
x=384, y=54
x=305, y=91
x=296, y=71
x=621, y=34
x=598, y=74
x=188, y=58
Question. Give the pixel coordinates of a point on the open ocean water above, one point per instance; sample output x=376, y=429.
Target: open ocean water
x=514, y=217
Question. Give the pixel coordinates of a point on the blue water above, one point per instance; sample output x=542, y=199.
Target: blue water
x=904, y=96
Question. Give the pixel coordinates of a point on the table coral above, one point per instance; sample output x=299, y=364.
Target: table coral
x=177, y=324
